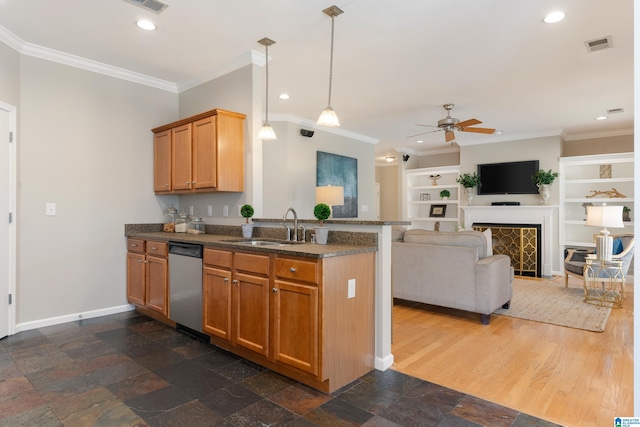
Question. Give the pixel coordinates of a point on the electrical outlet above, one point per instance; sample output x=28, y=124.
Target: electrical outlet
x=209, y=210
x=225, y=210
x=351, y=291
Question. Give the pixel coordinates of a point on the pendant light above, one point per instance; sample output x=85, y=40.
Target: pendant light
x=328, y=117
x=266, y=131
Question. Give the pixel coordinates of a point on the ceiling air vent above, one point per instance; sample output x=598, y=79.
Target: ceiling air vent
x=152, y=5
x=598, y=44
x=615, y=111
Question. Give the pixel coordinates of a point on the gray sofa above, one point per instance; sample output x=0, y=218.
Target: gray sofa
x=450, y=269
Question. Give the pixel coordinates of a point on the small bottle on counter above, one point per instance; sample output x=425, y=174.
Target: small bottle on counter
x=196, y=226
x=182, y=222
x=169, y=220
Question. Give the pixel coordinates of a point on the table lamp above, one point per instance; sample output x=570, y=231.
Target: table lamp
x=330, y=195
x=604, y=216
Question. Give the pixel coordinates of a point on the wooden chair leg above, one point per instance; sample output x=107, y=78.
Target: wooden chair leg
x=566, y=280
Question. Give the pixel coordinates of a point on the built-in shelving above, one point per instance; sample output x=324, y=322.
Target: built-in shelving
x=579, y=177
x=422, y=201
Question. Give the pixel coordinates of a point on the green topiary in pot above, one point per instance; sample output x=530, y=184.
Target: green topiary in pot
x=445, y=193
x=542, y=177
x=247, y=212
x=322, y=211
x=468, y=180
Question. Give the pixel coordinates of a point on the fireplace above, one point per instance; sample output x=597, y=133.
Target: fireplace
x=544, y=216
x=520, y=242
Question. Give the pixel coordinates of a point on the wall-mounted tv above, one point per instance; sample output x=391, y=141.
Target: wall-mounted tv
x=508, y=178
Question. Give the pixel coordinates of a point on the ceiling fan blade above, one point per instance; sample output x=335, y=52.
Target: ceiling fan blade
x=469, y=122
x=478, y=130
x=424, y=133
x=449, y=136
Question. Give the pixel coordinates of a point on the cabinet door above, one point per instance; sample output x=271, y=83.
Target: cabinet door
x=205, y=153
x=216, y=309
x=181, y=157
x=136, y=268
x=295, y=331
x=162, y=162
x=251, y=312
x=157, y=295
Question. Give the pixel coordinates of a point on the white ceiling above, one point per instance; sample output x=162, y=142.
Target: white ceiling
x=395, y=62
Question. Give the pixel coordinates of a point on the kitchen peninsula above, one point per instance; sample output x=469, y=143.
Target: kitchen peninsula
x=305, y=310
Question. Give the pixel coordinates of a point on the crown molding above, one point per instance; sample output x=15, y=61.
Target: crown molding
x=41, y=52
x=290, y=118
x=592, y=135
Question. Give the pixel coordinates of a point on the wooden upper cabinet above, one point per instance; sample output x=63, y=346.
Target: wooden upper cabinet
x=206, y=153
x=162, y=162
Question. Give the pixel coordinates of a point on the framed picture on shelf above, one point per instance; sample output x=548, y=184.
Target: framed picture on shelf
x=438, y=211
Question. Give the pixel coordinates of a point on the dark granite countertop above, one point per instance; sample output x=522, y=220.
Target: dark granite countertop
x=344, y=243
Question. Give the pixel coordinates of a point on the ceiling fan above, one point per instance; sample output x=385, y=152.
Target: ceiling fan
x=450, y=124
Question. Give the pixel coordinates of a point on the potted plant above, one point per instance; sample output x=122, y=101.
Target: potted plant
x=322, y=211
x=444, y=194
x=247, y=212
x=469, y=181
x=625, y=213
x=543, y=179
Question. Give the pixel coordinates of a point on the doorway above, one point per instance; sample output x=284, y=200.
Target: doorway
x=7, y=218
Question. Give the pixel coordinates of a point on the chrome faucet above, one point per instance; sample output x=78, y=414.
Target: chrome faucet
x=295, y=223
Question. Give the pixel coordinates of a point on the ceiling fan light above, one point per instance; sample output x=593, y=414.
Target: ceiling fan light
x=266, y=133
x=328, y=118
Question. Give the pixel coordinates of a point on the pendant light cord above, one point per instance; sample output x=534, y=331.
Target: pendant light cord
x=266, y=109
x=331, y=60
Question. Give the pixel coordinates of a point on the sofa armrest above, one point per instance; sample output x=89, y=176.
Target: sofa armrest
x=494, y=278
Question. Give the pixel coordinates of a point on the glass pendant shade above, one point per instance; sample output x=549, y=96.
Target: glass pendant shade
x=328, y=118
x=266, y=132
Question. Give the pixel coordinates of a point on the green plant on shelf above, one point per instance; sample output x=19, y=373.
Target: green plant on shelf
x=445, y=194
x=468, y=180
x=542, y=177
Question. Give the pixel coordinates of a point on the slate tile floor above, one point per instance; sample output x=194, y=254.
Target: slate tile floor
x=129, y=370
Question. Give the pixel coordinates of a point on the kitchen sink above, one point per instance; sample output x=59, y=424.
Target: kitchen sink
x=260, y=242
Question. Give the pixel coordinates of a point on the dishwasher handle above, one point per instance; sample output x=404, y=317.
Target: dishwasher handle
x=185, y=249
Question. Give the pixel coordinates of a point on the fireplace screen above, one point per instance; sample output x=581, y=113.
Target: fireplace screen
x=520, y=242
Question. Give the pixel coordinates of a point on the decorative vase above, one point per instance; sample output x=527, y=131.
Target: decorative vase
x=322, y=234
x=469, y=191
x=247, y=231
x=544, y=192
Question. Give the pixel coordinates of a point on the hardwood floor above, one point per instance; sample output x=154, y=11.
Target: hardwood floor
x=567, y=376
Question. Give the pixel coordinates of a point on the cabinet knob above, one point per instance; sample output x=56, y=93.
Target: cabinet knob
x=274, y=290
x=187, y=182
x=193, y=182
x=154, y=248
x=133, y=245
x=225, y=280
x=292, y=269
x=235, y=282
x=139, y=260
x=166, y=185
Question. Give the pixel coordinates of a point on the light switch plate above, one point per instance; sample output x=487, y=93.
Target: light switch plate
x=51, y=209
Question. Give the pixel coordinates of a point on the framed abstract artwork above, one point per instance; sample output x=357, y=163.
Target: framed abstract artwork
x=337, y=170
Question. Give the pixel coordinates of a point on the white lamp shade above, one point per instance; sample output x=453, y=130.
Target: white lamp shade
x=605, y=216
x=266, y=132
x=330, y=195
x=328, y=118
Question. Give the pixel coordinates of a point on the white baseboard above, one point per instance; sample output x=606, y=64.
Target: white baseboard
x=383, y=363
x=35, y=324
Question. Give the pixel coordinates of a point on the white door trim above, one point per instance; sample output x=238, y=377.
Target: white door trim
x=12, y=208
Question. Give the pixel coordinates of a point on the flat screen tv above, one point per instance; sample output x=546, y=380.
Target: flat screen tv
x=508, y=178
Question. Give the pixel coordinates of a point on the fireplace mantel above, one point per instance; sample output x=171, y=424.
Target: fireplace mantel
x=534, y=214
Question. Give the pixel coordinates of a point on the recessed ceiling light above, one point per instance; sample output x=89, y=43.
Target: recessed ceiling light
x=601, y=118
x=283, y=96
x=554, y=17
x=419, y=141
x=146, y=25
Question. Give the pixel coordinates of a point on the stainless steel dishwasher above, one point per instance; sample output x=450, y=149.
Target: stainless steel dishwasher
x=185, y=284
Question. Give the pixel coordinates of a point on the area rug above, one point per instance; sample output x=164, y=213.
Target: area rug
x=548, y=301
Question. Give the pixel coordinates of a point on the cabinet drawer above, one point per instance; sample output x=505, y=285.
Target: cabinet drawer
x=217, y=258
x=157, y=248
x=297, y=269
x=135, y=245
x=251, y=263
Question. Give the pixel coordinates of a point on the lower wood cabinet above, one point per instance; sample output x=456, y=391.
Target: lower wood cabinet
x=293, y=314
x=147, y=275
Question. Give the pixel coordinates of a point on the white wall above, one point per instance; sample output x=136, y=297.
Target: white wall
x=85, y=145
x=9, y=75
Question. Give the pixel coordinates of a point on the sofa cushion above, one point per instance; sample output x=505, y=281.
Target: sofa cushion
x=397, y=233
x=469, y=238
x=617, y=246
